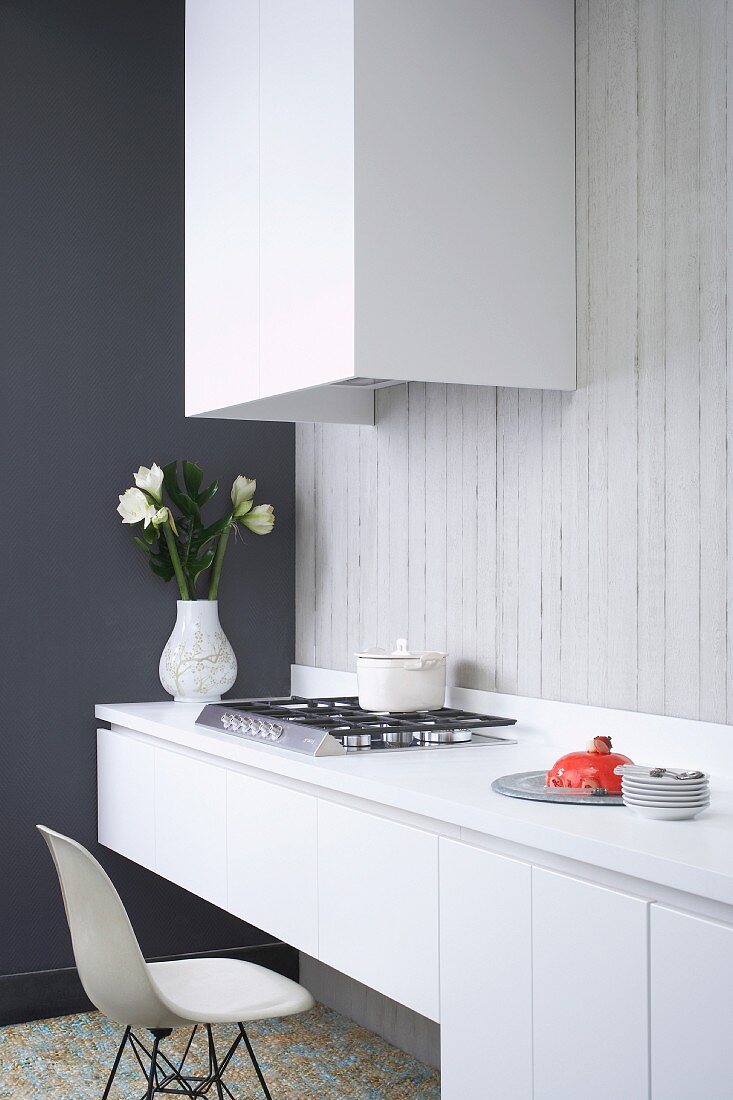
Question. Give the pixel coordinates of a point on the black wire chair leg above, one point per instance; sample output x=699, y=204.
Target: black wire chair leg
x=212, y=1052
x=116, y=1064
x=223, y=1065
x=153, y=1074
x=188, y=1047
x=255, y=1063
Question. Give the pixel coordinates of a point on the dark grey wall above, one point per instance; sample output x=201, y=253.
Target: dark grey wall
x=91, y=377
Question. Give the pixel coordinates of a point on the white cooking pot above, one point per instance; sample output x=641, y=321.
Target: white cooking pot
x=400, y=681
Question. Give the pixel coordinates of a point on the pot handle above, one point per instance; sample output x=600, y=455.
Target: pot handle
x=427, y=660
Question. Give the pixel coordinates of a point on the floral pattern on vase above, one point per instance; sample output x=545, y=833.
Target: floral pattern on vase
x=198, y=663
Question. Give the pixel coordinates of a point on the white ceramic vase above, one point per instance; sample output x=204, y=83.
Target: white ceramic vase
x=198, y=663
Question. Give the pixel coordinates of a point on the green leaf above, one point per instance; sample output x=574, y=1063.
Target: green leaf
x=143, y=545
x=162, y=569
x=215, y=529
x=199, y=565
x=207, y=493
x=193, y=475
x=179, y=498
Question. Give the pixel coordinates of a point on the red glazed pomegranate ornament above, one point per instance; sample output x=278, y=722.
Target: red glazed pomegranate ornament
x=592, y=769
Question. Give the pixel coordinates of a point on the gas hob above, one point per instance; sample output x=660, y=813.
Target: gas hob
x=338, y=726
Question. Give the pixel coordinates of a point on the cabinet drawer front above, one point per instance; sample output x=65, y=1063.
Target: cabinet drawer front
x=190, y=825
x=378, y=905
x=272, y=857
x=485, y=974
x=125, y=793
x=691, y=1003
x=590, y=957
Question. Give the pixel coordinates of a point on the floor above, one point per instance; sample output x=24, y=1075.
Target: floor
x=319, y=1055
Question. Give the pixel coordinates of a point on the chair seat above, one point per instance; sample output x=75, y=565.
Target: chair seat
x=226, y=991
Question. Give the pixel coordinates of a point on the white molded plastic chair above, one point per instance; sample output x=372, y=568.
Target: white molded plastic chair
x=160, y=996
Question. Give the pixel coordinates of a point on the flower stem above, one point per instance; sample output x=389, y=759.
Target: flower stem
x=218, y=562
x=176, y=561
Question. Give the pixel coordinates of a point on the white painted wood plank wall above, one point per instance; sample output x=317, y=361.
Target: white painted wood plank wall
x=572, y=546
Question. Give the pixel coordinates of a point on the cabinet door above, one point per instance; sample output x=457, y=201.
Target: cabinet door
x=222, y=203
x=190, y=824
x=691, y=1006
x=485, y=975
x=125, y=794
x=272, y=868
x=590, y=991
x=378, y=905
x=306, y=193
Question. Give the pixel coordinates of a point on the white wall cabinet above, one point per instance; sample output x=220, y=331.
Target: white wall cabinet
x=378, y=904
x=272, y=855
x=691, y=1006
x=376, y=191
x=589, y=990
x=190, y=824
x=485, y=974
x=125, y=796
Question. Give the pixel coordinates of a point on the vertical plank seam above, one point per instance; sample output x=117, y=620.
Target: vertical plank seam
x=497, y=569
x=636, y=337
x=497, y=543
x=636, y=355
x=542, y=543
x=587, y=369
x=606, y=354
x=406, y=519
x=588, y=343
x=664, y=337
x=445, y=525
x=699, y=365
x=728, y=352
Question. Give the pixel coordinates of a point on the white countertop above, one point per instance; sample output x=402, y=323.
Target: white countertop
x=454, y=786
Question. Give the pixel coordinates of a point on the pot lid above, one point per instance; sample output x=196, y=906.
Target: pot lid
x=401, y=652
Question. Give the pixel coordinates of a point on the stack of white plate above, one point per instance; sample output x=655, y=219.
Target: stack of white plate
x=664, y=794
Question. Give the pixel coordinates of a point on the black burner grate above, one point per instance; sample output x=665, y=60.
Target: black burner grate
x=342, y=714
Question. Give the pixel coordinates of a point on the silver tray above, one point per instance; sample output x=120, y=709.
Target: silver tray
x=531, y=785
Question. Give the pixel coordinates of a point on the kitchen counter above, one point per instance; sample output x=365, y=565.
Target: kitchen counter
x=453, y=787
x=406, y=873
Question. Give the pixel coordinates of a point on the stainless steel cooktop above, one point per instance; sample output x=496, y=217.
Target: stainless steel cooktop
x=337, y=726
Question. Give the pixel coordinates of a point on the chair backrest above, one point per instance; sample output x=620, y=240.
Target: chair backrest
x=110, y=964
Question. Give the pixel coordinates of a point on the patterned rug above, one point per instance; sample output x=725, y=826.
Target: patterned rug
x=318, y=1055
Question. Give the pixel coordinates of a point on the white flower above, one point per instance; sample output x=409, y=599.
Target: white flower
x=135, y=508
x=260, y=520
x=243, y=490
x=163, y=515
x=151, y=480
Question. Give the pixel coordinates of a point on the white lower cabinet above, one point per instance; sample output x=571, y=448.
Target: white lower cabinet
x=272, y=859
x=378, y=904
x=590, y=990
x=190, y=824
x=546, y=986
x=691, y=1006
x=125, y=795
x=485, y=975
